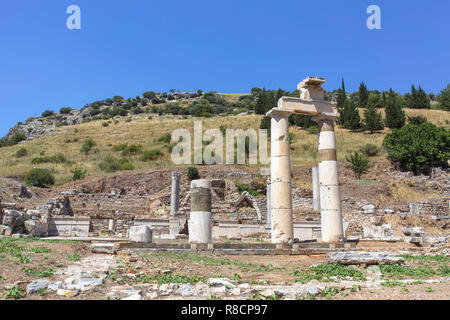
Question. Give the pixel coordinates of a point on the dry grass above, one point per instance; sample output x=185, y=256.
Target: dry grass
x=143, y=131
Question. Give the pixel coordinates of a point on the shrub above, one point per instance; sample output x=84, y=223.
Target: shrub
x=22, y=152
x=151, y=155
x=358, y=163
x=369, y=150
x=87, y=145
x=105, y=124
x=79, y=173
x=419, y=147
x=131, y=149
x=193, y=173
x=111, y=164
x=65, y=110
x=166, y=138
x=16, y=138
x=59, y=158
x=418, y=120
x=39, y=178
x=47, y=113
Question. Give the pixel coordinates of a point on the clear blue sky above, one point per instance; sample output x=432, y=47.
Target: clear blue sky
x=128, y=47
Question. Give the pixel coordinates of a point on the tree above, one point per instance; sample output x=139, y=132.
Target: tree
x=359, y=164
x=65, y=110
x=363, y=95
x=47, y=113
x=39, y=178
x=87, y=145
x=352, y=120
x=444, y=98
x=418, y=99
x=373, y=120
x=418, y=148
x=395, y=116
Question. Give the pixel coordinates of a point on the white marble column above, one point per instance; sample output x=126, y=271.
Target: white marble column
x=330, y=195
x=316, y=188
x=175, y=195
x=280, y=187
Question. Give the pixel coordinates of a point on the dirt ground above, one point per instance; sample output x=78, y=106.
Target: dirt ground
x=23, y=261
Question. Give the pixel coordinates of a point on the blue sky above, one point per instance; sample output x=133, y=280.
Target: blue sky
x=128, y=47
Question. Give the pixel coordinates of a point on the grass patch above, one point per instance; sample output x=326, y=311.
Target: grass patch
x=39, y=273
x=437, y=258
x=325, y=272
x=399, y=272
x=209, y=261
x=74, y=257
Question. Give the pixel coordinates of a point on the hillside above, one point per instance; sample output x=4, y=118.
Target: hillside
x=145, y=129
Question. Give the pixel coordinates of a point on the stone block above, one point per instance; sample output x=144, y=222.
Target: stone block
x=103, y=248
x=142, y=234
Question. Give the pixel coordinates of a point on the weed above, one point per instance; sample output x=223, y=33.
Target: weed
x=324, y=272
x=14, y=293
x=74, y=257
x=39, y=273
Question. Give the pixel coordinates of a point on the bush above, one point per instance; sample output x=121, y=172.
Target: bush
x=369, y=150
x=419, y=147
x=358, y=163
x=131, y=149
x=65, y=110
x=193, y=173
x=111, y=164
x=59, y=158
x=418, y=120
x=22, y=152
x=166, y=138
x=47, y=113
x=39, y=178
x=151, y=155
x=79, y=173
x=16, y=138
x=87, y=145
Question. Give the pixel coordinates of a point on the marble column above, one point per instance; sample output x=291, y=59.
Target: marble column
x=175, y=195
x=316, y=189
x=330, y=195
x=280, y=186
x=200, y=226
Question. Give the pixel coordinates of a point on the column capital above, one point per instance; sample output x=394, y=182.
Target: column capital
x=277, y=112
x=325, y=117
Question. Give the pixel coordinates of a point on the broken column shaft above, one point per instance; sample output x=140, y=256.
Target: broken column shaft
x=175, y=195
x=200, y=226
x=280, y=186
x=330, y=196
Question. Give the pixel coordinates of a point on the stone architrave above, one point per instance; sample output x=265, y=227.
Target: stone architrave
x=200, y=224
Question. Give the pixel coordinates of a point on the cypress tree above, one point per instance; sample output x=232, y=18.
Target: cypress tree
x=373, y=120
x=341, y=102
x=363, y=95
x=395, y=116
x=352, y=118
